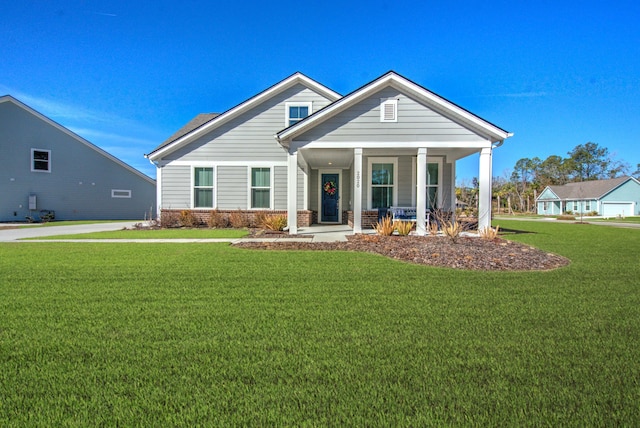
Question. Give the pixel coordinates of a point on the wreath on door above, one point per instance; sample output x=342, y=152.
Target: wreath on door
x=330, y=187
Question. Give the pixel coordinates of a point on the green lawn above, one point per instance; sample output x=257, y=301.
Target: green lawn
x=210, y=335
x=156, y=234
x=616, y=220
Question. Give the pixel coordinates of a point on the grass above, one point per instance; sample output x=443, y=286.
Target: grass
x=616, y=220
x=156, y=234
x=207, y=334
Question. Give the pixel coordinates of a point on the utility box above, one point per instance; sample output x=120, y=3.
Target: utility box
x=32, y=202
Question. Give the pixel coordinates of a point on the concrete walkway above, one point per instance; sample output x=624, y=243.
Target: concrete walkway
x=585, y=219
x=322, y=233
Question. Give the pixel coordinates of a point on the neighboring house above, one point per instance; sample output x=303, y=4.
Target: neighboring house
x=46, y=167
x=608, y=198
x=303, y=150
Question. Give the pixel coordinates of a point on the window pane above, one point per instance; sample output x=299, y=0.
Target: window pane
x=203, y=198
x=293, y=112
x=260, y=177
x=260, y=198
x=382, y=174
x=381, y=197
x=432, y=173
x=432, y=197
x=41, y=165
x=303, y=112
x=40, y=155
x=203, y=177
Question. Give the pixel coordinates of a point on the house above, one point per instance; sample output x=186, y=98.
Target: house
x=46, y=168
x=301, y=149
x=607, y=198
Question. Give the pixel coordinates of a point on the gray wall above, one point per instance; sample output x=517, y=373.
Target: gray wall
x=81, y=178
x=248, y=139
x=416, y=122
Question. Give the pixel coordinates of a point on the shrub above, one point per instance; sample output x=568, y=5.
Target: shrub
x=384, y=227
x=404, y=227
x=169, y=219
x=276, y=222
x=218, y=220
x=452, y=229
x=188, y=219
x=433, y=228
x=592, y=213
x=565, y=217
x=489, y=233
x=239, y=219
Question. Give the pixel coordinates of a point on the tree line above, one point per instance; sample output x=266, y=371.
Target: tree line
x=517, y=190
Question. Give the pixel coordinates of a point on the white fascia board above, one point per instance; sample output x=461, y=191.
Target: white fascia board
x=295, y=145
x=402, y=84
x=9, y=98
x=244, y=107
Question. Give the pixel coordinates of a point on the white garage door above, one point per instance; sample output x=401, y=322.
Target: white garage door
x=614, y=209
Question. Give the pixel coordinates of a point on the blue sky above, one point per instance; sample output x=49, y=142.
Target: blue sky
x=125, y=75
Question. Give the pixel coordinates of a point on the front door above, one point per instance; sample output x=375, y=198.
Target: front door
x=330, y=189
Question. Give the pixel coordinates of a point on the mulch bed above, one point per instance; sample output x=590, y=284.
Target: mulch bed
x=467, y=253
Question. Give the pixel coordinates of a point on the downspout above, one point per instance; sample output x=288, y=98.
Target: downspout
x=158, y=186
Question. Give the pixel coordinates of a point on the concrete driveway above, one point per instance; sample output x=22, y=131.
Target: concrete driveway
x=35, y=231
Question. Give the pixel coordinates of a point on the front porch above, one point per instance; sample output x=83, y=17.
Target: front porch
x=348, y=186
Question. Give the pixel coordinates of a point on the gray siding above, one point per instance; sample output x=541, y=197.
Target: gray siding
x=232, y=187
x=249, y=137
x=81, y=179
x=416, y=122
x=176, y=179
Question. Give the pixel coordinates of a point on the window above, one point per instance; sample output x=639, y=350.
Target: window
x=575, y=205
x=203, y=187
x=119, y=193
x=296, y=112
x=432, y=185
x=260, y=187
x=383, y=182
x=40, y=160
x=545, y=206
x=587, y=205
x=388, y=110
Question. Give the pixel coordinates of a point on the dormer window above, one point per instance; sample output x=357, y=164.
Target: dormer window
x=295, y=112
x=388, y=110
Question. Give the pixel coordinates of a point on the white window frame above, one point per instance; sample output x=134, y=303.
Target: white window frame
x=307, y=104
x=370, y=162
x=214, y=186
x=576, y=206
x=271, y=187
x=385, y=105
x=414, y=179
x=121, y=193
x=33, y=169
x=545, y=206
x=587, y=206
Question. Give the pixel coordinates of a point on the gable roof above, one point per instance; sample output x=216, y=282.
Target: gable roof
x=10, y=99
x=393, y=79
x=194, y=123
x=594, y=189
x=171, y=145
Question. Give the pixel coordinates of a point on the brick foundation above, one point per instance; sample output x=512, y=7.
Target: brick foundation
x=305, y=217
x=369, y=219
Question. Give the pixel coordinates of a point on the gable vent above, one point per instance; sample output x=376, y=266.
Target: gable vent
x=388, y=110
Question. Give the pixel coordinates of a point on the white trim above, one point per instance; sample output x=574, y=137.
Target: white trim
x=414, y=184
x=257, y=164
x=357, y=191
x=33, y=169
x=192, y=185
x=388, y=114
x=480, y=144
x=292, y=193
x=126, y=192
x=305, y=191
x=329, y=171
x=271, y=187
x=370, y=161
x=308, y=104
x=158, y=191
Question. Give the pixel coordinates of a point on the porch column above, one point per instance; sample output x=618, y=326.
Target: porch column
x=158, y=192
x=292, y=193
x=421, y=192
x=484, y=195
x=357, y=191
